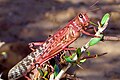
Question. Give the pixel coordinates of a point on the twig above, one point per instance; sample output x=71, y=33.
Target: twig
x=93, y=56
x=111, y=38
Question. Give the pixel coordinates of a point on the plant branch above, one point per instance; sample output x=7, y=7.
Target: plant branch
x=93, y=56
x=111, y=38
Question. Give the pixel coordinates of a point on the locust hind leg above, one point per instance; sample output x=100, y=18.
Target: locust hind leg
x=93, y=28
x=89, y=34
x=33, y=45
x=39, y=71
x=27, y=77
x=70, y=49
x=34, y=73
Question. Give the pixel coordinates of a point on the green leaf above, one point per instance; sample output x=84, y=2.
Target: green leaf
x=105, y=18
x=40, y=71
x=44, y=78
x=45, y=73
x=55, y=74
x=82, y=61
x=94, y=41
x=88, y=53
x=56, y=70
x=72, y=56
x=78, y=52
x=68, y=59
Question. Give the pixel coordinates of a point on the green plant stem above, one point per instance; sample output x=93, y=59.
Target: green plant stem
x=93, y=24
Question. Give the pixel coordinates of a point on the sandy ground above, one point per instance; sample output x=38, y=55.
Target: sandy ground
x=24, y=21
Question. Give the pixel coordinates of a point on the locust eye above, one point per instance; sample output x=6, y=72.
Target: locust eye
x=80, y=15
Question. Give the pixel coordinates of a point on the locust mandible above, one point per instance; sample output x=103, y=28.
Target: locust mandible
x=52, y=46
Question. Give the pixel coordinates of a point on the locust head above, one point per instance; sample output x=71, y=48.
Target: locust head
x=83, y=19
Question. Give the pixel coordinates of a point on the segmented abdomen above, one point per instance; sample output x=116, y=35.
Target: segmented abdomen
x=23, y=66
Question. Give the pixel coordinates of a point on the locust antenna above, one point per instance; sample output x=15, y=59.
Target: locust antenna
x=94, y=4
x=90, y=10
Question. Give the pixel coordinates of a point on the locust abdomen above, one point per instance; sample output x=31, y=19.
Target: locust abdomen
x=24, y=66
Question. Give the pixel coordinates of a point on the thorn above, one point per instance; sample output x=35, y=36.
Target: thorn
x=99, y=25
x=80, y=66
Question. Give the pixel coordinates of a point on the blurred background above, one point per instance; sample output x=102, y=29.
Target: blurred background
x=25, y=21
